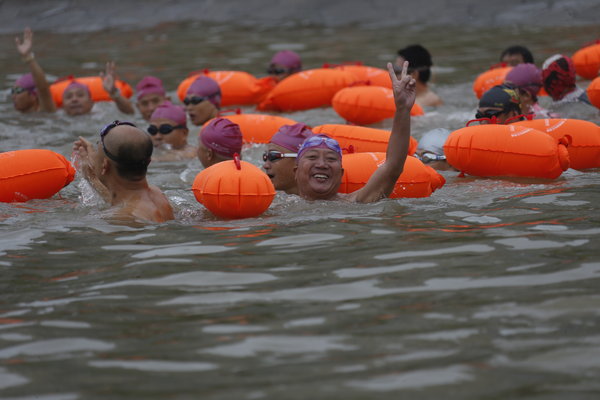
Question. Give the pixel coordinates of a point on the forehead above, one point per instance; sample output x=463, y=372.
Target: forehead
x=151, y=97
x=274, y=147
x=77, y=91
x=320, y=151
x=162, y=121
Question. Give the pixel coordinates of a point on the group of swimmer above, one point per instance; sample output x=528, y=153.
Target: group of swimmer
x=297, y=161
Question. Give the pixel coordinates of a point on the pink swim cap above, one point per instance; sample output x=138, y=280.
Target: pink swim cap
x=206, y=87
x=527, y=77
x=222, y=136
x=149, y=85
x=168, y=110
x=26, y=82
x=77, y=85
x=291, y=136
x=288, y=59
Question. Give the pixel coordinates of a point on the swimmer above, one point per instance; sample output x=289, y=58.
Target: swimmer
x=431, y=149
x=31, y=91
x=150, y=94
x=280, y=157
x=558, y=78
x=284, y=64
x=527, y=80
x=219, y=141
x=168, y=131
x=77, y=99
x=108, y=83
x=319, y=169
x=499, y=105
x=420, y=63
x=116, y=168
x=203, y=100
x=515, y=55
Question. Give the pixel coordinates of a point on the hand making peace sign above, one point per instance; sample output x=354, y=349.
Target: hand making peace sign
x=404, y=88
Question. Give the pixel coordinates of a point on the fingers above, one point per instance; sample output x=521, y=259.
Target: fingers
x=404, y=69
x=392, y=73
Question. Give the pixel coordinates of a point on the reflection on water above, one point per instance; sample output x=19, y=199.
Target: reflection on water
x=488, y=288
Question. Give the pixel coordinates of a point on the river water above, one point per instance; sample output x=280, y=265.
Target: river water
x=486, y=290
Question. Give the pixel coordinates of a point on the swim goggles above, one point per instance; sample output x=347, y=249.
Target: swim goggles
x=318, y=140
x=426, y=158
x=194, y=100
x=105, y=131
x=276, y=155
x=164, y=129
x=276, y=71
x=17, y=90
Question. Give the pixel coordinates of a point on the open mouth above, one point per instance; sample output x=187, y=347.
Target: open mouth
x=321, y=177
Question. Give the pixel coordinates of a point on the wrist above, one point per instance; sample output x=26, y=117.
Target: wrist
x=28, y=57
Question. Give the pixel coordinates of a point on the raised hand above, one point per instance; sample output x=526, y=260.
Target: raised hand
x=24, y=46
x=405, y=88
x=108, y=78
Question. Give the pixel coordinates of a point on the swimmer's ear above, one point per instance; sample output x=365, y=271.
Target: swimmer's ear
x=105, y=167
x=210, y=153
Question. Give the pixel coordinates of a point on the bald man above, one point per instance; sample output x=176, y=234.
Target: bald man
x=116, y=168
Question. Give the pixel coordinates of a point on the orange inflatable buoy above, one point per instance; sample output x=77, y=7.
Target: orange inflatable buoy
x=366, y=105
x=33, y=174
x=94, y=83
x=416, y=180
x=234, y=189
x=587, y=61
x=360, y=139
x=488, y=79
x=308, y=89
x=593, y=92
x=258, y=128
x=584, y=149
x=506, y=150
x=237, y=87
x=369, y=75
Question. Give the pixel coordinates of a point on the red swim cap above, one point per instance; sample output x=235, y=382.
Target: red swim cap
x=558, y=75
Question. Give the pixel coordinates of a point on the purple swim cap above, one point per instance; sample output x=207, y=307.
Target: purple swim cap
x=288, y=59
x=205, y=86
x=527, y=77
x=222, y=136
x=149, y=85
x=319, y=141
x=168, y=110
x=77, y=85
x=291, y=137
x=26, y=82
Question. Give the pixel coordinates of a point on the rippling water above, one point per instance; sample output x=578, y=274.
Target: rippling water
x=487, y=289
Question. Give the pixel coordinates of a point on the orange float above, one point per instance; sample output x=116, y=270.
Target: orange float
x=587, y=61
x=234, y=189
x=258, y=128
x=369, y=75
x=33, y=174
x=308, y=89
x=361, y=139
x=593, y=92
x=506, y=150
x=488, y=79
x=416, y=180
x=94, y=83
x=366, y=105
x=237, y=87
x=584, y=149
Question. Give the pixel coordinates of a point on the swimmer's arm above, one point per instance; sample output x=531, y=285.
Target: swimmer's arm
x=24, y=48
x=108, y=83
x=84, y=152
x=381, y=184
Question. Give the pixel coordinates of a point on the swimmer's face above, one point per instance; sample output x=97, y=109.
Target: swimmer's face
x=201, y=112
x=279, y=72
x=148, y=103
x=513, y=59
x=176, y=138
x=501, y=117
x=77, y=101
x=23, y=100
x=281, y=171
x=319, y=173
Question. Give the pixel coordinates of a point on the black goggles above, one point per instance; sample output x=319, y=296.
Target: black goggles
x=194, y=100
x=276, y=71
x=17, y=90
x=164, y=129
x=276, y=155
x=105, y=131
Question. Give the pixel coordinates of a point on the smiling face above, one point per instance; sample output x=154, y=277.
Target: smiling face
x=281, y=171
x=176, y=139
x=201, y=112
x=319, y=174
x=77, y=101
